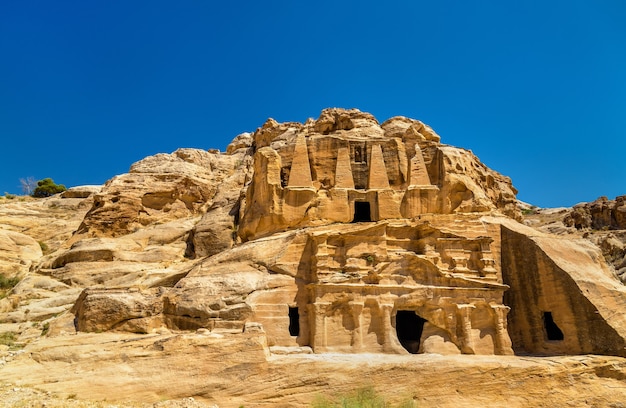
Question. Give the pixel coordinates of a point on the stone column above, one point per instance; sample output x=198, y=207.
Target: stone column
x=386, y=309
x=317, y=317
x=356, y=308
x=451, y=320
x=464, y=313
x=503, y=341
x=304, y=338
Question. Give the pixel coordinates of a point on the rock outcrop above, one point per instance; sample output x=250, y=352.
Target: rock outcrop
x=338, y=235
x=601, y=214
x=599, y=222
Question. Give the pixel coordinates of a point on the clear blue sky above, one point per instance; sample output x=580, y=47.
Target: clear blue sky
x=536, y=89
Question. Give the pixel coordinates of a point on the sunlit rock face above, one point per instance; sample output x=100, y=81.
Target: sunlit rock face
x=335, y=235
x=345, y=167
x=344, y=235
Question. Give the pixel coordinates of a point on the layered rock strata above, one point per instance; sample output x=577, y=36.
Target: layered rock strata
x=344, y=235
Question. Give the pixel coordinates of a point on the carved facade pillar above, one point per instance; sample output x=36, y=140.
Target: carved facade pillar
x=464, y=314
x=356, y=309
x=386, y=308
x=317, y=319
x=451, y=320
x=503, y=341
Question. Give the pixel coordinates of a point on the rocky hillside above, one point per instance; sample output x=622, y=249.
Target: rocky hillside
x=603, y=222
x=308, y=260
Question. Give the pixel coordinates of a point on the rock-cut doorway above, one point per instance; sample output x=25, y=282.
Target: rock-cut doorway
x=362, y=212
x=409, y=328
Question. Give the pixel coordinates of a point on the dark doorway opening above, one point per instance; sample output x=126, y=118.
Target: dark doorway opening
x=409, y=327
x=362, y=212
x=552, y=330
x=294, y=321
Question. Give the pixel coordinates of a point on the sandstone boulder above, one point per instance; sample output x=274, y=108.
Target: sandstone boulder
x=17, y=252
x=599, y=214
x=81, y=191
x=158, y=189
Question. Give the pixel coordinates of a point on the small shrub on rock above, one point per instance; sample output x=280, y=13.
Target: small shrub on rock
x=47, y=187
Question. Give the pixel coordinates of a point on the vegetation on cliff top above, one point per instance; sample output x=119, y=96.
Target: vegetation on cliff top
x=47, y=187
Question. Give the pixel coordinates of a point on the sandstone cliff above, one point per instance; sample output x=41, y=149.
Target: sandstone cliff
x=305, y=240
x=599, y=222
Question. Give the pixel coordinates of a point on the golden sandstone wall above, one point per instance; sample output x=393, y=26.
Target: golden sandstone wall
x=343, y=235
x=344, y=165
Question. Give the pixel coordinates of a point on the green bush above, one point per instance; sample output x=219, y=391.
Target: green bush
x=8, y=283
x=8, y=338
x=47, y=188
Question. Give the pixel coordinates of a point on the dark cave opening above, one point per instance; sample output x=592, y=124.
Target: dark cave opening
x=409, y=327
x=553, y=332
x=362, y=212
x=294, y=321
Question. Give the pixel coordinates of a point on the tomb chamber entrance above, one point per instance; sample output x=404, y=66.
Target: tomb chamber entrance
x=552, y=331
x=409, y=327
x=362, y=212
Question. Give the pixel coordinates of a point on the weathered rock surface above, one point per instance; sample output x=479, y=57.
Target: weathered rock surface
x=311, y=258
x=598, y=221
x=601, y=214
x=563, y=295
x=313, y=174
x=81, y=191
x=159, y=188
x=31, y=231
x=233, y=370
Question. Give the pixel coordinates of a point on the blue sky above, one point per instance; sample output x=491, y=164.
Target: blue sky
x=536, y=89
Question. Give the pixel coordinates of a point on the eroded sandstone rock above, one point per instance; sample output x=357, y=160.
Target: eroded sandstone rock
x=345, y=166
x=599, y=214
x=358, y=237
x=157, y=189
x=335, y=235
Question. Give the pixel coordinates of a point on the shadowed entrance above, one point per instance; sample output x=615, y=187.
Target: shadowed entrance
x=294, y=321
x=553, y=332
x=409, y=327
x=362, y=212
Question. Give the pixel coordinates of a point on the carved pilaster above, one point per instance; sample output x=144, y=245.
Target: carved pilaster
x=464, y=327
x=317, y=319
x=356, y=309
x=503, y=341
x=386, y=309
